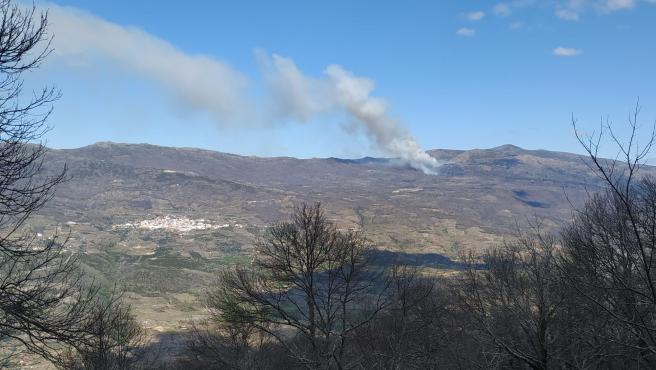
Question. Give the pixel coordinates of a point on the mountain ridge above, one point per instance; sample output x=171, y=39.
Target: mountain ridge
x=500, y=148
x=474, y=201
x=162, y=221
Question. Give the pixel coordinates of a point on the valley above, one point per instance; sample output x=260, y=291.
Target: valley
x=161, y=221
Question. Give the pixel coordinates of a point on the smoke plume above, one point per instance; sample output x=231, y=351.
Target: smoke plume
x=198, y=82
x=206, y=84
x=300, y=97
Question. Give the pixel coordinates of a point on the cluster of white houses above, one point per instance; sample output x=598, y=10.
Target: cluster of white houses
x=179, y=224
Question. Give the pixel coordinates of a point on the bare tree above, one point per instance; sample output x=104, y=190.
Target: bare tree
x=309, y=290
x=114, y=341
x=230, y=346
x=518, y=303
x=41, y=294
x=611, y=244
x=410, y=332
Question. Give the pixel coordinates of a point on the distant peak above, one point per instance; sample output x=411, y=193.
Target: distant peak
x=508, y=148
x=112, y=144
x=103, y=143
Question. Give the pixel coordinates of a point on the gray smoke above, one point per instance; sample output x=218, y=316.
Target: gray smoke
x=205, y=84
x=198, y=82
x=301, y=97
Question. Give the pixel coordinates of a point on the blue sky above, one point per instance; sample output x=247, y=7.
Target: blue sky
x=453, y=74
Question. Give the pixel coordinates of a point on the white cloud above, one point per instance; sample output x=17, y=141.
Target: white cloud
x=567, y=14
x=569, y=10
x=466, y=32
x=616, y=5
x=475, y=16
x=576, y=4
x=516, y=25
x=502, y=9
x=600, y=6
x=566, y=52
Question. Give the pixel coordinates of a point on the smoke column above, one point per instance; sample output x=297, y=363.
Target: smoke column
x=206, y=84
x=300, y=97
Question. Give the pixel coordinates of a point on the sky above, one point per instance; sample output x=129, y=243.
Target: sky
x=347, y=78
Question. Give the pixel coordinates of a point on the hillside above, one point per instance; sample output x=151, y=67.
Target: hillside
x=478, y=196
x=161, y=221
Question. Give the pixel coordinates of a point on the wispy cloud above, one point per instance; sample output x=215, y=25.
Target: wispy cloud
x=567, y=14
x=569, y=10
x=516, y=25
x=566, y=52
x=466, y=32
x=616, y=5
x=502, y=9
x=475, y=16
x=506, y=8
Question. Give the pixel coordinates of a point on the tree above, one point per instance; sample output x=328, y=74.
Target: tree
x=610, y=247
x=115, y=340
x=309, y=290
x=232, y=346
x=518, y=303
x=413, y=331
x=42, y=296
x=395, y=339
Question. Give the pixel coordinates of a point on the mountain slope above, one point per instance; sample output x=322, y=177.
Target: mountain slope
x=475, y=200
x=161, y=222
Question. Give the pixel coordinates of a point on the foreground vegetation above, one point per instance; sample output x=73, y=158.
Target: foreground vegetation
x=584, y=298
x=314, y=296
x=581, y=300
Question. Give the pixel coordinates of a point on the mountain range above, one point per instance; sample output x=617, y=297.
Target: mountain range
x=477, y=198
x=162, y=221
